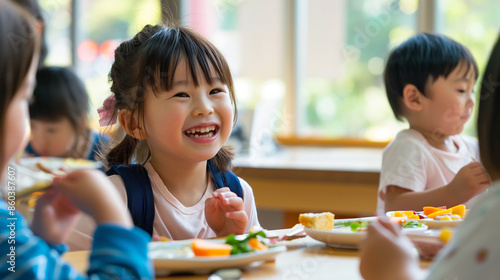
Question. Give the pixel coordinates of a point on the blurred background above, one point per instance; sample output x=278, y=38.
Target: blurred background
x=306, y=71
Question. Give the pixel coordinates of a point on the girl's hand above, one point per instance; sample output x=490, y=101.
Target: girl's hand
x=225, y=214
x=387, y=254
x=469, y=181
x=93, y=193
x=54, y=217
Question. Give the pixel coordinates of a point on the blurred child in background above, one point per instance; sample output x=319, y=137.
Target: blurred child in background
x=59, y=111
x=429, y=81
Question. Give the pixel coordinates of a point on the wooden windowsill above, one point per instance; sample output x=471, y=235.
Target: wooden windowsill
x=313, y=179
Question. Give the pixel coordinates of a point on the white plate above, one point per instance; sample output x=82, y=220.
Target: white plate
x=57, y=164
x=343, y=237
x=167, y=261
x=431, y=223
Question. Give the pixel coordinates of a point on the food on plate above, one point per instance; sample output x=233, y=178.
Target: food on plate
x=232, y=245
x=455, y=213
x=204, y=248
x=254, y=241
x=359, y=226
x=321, y=221
x=38, y=186
x=445, y=235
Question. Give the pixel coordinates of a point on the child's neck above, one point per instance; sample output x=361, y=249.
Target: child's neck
x=438, y=140
x=186, y=181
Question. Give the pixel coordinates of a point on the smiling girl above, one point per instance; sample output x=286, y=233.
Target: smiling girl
x=174, y=100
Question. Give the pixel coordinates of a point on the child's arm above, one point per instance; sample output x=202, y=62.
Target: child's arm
x=469, y=181
x=118, y=250
x=386, y=254
x=225, y=214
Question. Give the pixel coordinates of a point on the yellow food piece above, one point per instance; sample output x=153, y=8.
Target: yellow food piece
x=445, y=235
x=399, y=214
x=414, y=216
x=408, y=213
x=446, y=218
x=321, y=221
x=438, y=213
x=203, y=248
x=458, y=210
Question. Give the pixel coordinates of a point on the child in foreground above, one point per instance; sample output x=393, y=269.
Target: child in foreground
x=119, y=250
x=429, y=81
x=58, y=112
x=474, y=251
x=174, y=98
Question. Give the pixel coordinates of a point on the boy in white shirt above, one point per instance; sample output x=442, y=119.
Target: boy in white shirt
x=429, y=82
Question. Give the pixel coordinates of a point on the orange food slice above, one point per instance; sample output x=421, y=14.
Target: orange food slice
x=458, y=210
x=257, y=245
x=437, y=213
x=429, y=210
x=203, y=248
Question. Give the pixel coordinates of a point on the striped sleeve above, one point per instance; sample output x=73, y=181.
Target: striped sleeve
x=117, y=253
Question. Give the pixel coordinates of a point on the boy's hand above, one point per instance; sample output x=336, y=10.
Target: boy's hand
x=224, y=213
x=469, y=181
x=387, y=254
x=93, y=193
x=54, y=217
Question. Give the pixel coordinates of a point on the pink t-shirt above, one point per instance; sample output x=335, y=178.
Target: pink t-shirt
x=172, y=219
x=410, y=162
x=176, y=221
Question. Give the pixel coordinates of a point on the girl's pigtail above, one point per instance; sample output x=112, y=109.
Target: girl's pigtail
x=222, y=160
x=122, y=153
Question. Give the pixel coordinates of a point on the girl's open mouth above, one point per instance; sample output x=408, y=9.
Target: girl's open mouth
x=202, y=132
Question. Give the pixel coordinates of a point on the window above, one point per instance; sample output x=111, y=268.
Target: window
x=307, y=69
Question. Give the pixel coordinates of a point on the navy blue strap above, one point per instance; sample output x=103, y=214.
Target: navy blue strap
x=226, y=179
x=140, y=200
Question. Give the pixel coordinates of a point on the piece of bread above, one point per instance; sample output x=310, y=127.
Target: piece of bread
x=321, y=221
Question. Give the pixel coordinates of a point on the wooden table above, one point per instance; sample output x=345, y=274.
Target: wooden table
x=311, y=179
x=305, y=259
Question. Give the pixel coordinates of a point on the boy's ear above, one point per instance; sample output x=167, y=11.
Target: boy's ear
x=412, y=97
x=130, y=122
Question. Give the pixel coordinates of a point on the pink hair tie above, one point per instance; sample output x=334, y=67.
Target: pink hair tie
x=107, y=111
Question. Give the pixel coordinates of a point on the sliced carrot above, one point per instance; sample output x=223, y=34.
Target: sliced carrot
x=203, y=248
x=257, y=245
x=437, y=213
x=429, y=210
x=458, y=210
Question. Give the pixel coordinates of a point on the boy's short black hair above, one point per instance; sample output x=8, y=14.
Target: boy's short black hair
x=419, y=58
x=58, y=94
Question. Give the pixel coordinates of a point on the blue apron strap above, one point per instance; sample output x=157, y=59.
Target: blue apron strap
x=140, y=199
x=226, y=179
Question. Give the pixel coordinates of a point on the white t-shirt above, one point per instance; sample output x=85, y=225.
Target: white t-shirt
x=410, y=162
x=474, y=250
x=172, y=219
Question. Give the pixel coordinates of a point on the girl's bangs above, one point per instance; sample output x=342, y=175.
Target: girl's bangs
x=160, y=62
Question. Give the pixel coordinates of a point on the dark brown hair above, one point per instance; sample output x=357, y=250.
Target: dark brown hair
x=18, y=46
x=60, y=93
x=423, y=57
x=488, y=118
x=33, y=7
x=147, y=63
